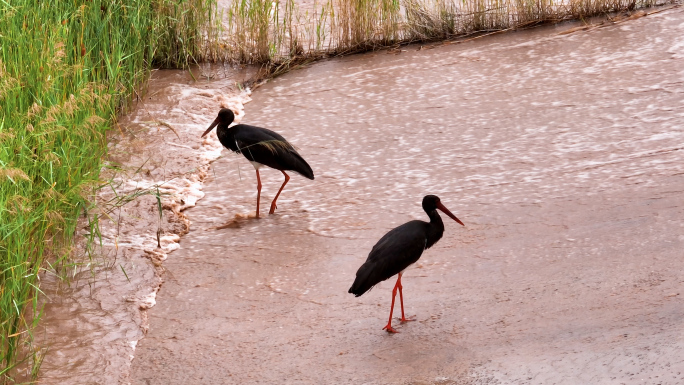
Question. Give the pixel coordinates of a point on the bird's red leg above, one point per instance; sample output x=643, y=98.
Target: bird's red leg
x=273, y=205
x=401, y=300
x=258, y=192
x=389, y=327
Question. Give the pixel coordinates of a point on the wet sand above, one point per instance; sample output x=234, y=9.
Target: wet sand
x=563, y=155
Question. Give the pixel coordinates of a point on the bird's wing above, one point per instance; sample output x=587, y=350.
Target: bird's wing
x=393, y=253
x=400, y=247
x=248, y=137
x=270, y=148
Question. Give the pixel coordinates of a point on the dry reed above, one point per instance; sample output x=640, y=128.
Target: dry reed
x=281, y=35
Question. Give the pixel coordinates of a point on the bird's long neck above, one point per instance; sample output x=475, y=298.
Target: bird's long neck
x=435, y=228
x=227, y=137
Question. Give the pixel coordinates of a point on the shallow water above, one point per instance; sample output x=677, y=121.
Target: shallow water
x=93, y=321
x=562, y=154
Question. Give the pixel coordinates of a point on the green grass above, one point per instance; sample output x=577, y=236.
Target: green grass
x=67, y=68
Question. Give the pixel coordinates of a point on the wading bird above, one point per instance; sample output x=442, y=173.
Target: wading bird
x=398, y=249
x=262, y=147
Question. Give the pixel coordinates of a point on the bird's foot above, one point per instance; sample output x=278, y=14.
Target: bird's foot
x=404, y=319
x=273, y=208
x=389, y=329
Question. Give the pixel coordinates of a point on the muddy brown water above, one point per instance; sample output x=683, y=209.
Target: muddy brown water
x=562, y=154
x=93, y=320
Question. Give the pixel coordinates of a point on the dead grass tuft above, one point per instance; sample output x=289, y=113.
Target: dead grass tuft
x=280, y=36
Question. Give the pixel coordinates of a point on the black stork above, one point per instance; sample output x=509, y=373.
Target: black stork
x=398, y=249
x=262, y=147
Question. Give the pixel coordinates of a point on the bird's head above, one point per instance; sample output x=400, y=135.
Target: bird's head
x=432, y=202
x=225, y=117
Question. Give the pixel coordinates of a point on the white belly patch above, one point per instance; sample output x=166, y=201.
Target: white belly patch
x=256, y=165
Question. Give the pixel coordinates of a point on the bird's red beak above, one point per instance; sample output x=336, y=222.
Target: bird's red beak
x=216, y=121
x=447, y=212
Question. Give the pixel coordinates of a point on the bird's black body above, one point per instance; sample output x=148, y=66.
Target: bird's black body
x=398, y=249
x=260, y=146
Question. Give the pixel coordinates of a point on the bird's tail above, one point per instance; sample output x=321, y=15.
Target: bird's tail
x=300, y=166
x=364, y=279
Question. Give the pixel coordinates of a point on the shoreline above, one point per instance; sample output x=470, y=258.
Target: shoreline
x=152, y=161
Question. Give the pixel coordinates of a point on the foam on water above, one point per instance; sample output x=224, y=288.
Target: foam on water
x=183, y=191
x=179, y=193
x=173, y=160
